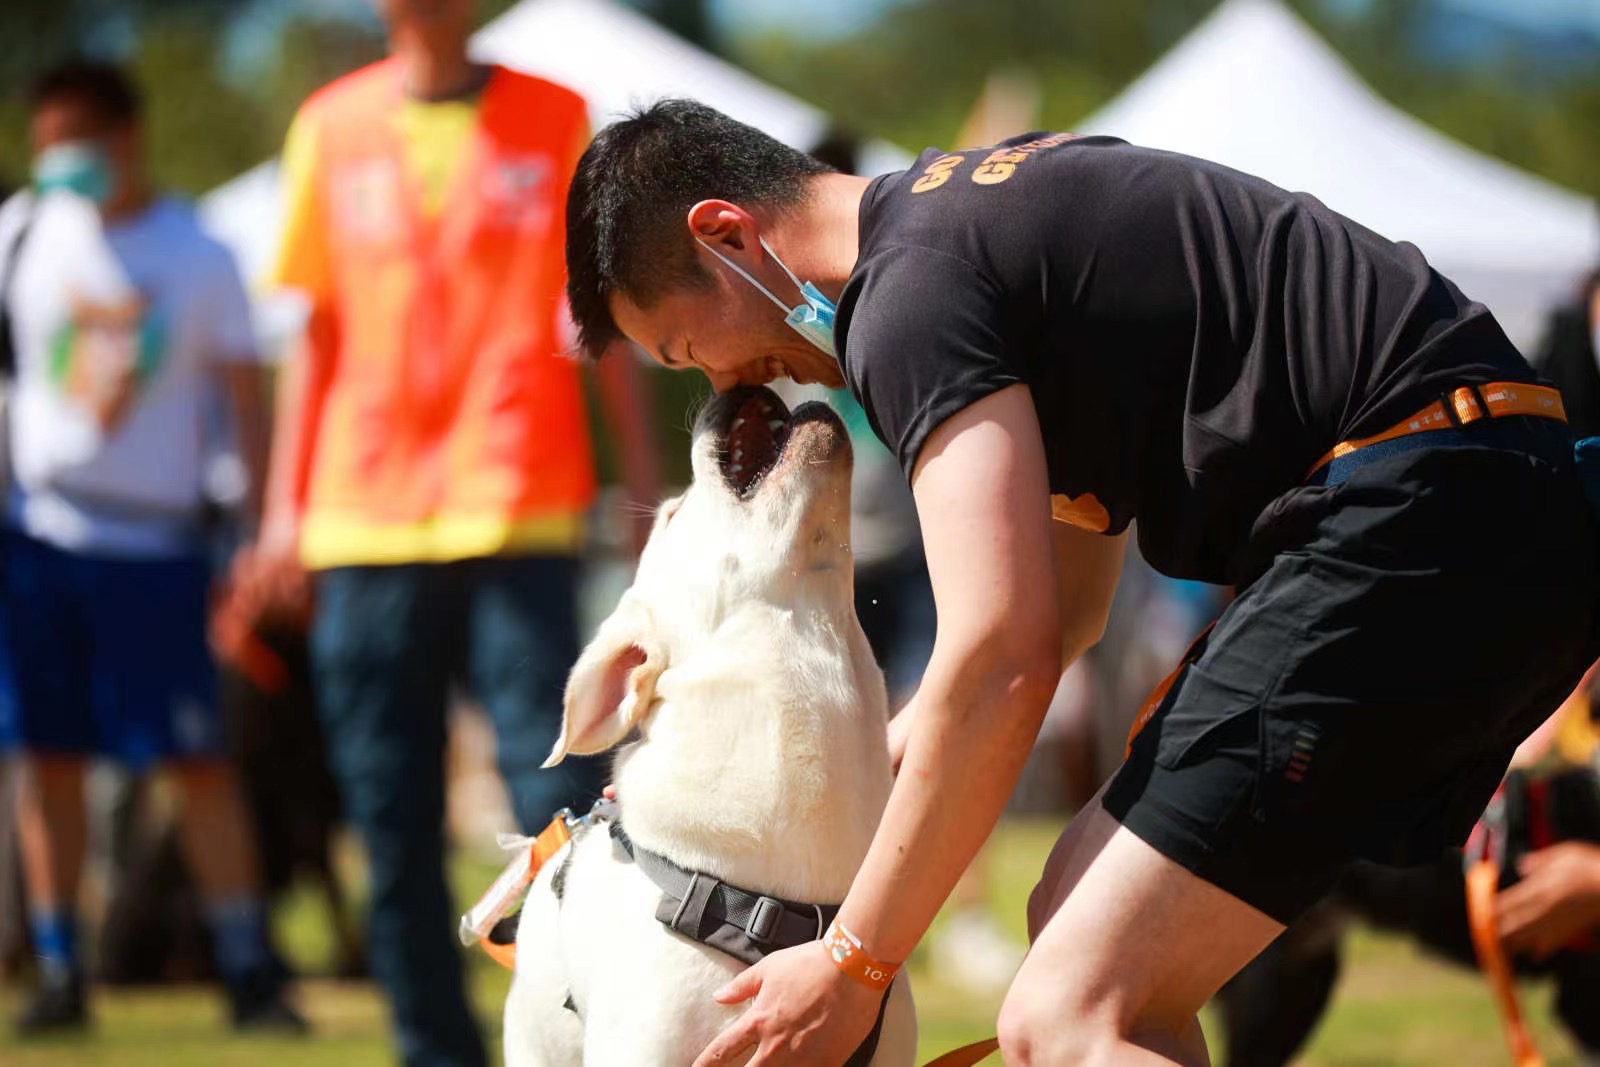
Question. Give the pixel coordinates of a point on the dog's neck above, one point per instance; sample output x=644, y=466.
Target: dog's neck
x=771, y=778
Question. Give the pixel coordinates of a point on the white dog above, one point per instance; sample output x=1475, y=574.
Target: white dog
x=760, y=760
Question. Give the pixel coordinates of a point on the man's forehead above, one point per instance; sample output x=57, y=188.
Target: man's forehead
x=68, y=117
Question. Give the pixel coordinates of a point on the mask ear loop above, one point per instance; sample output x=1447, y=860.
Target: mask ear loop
x=747, y=276
x=782, y=266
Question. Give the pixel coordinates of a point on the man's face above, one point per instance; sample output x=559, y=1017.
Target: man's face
x=427, y=16
x=727, y=329
x=68, y=120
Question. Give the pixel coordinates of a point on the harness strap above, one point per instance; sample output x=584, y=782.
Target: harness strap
x=746, y=925
x=1461, y=407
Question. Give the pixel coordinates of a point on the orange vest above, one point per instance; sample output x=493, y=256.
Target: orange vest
x=454, y=423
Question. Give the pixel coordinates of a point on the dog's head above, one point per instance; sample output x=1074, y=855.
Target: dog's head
x=745, y=583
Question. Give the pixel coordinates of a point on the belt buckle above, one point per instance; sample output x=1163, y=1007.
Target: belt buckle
x=1449, y=403
x=763, y=921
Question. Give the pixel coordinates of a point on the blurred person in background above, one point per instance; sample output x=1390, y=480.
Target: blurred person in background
x=124, y=318
x=1569, y=356
x=433, y=463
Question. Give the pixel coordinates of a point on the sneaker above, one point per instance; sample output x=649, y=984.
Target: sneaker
x=58, y=1006
x=258, y=1006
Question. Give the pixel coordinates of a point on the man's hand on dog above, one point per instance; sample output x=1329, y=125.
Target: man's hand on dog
x=1557, y=899
x=805, y=1011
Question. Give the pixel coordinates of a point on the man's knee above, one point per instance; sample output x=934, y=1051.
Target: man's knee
x=1043, y=1032
x=1041, y=903
x=206, y=780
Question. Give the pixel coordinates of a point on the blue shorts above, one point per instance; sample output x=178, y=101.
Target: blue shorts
x=106, y=656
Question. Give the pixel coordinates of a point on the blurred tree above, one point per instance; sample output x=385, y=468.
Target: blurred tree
x=913, y=75
x=311, y=52
x=689, y=19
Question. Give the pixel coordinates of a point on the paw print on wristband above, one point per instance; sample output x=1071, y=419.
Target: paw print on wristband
x=845, y=950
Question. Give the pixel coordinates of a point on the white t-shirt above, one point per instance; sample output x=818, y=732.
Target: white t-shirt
x=118, y=330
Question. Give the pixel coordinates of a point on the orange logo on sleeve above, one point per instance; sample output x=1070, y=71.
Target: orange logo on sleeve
x=1085, y=512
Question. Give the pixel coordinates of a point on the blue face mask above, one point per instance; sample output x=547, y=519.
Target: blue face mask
x=812, y=320
x=80, y=167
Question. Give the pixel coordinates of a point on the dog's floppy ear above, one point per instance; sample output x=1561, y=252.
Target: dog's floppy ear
x=612, y=685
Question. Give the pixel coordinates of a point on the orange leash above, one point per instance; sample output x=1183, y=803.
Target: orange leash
x=1152, y=703
x=509, y=887
x=1484, y=856
x=967, y=1055
x=1483, y=880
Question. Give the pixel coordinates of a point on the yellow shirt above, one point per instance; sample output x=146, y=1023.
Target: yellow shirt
x=435, y=140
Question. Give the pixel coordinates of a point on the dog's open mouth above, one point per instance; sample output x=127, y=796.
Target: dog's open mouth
x=754, y=441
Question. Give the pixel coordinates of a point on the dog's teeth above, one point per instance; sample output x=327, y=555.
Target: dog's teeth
x=737, y=423
x=775, y=425
x=735, y=469
x=738, y=454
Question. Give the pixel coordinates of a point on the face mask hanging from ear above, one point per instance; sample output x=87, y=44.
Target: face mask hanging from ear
x=812, y=320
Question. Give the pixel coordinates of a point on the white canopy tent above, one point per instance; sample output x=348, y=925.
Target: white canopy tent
x=618, y=58
x=614, y=56
x=1254, y=88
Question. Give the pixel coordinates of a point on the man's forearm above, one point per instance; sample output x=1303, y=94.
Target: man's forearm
x=965, y=750
x=246, y=386
x=302, y=388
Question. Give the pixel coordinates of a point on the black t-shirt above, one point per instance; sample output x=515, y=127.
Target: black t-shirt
x=1194, y=338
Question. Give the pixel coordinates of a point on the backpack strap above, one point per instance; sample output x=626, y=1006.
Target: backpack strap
x=8, y=270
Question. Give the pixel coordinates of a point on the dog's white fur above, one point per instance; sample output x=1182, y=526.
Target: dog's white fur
x=761, y=758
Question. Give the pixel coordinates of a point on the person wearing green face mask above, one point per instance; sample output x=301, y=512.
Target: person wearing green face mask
x=123, y=316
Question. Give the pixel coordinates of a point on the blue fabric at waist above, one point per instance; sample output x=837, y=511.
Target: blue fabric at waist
x=1534, y=435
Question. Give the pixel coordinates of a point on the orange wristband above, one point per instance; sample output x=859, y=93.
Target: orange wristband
x=844, y=949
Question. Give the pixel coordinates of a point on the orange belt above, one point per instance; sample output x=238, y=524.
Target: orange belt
x=1462, y=407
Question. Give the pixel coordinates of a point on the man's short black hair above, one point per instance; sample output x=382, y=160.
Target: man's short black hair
x=635, y=184
x=104, y=88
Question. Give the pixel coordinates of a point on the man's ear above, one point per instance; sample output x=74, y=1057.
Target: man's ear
x=612, y=685
x=723, y=225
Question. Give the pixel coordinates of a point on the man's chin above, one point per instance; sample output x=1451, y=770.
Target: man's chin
x=828, y=376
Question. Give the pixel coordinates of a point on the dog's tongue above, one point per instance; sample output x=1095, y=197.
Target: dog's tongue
x=755, y=438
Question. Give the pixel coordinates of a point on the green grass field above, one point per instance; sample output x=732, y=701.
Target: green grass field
x=1394, y=1006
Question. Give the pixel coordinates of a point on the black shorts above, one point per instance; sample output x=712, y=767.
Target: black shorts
x=1362, y=697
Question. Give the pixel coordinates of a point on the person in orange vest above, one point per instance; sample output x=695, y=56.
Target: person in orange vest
x=432, y=467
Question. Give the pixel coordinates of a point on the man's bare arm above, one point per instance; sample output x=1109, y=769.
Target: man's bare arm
x=983, y=498
x=1088, y=566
